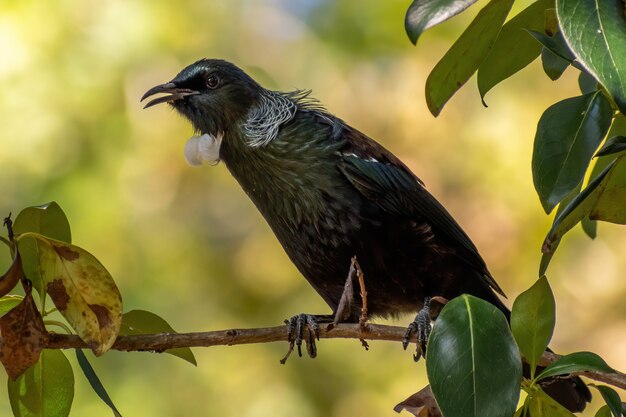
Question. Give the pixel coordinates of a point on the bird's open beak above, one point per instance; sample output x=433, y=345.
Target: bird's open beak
x=172, y=92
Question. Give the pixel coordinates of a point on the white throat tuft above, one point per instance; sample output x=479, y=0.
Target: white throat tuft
x=205, y=148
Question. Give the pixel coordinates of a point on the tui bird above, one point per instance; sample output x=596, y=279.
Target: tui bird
x=330, y=193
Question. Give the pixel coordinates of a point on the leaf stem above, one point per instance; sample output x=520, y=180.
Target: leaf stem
x=6, y=241
x=58, y=324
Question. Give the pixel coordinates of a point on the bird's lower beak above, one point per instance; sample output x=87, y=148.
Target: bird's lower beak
x=172, y=92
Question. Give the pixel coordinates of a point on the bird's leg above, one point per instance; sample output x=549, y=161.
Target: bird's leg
x=363, y=318
x=421, y=326
x=345, y=301
x=296, y=327
x=361, y=277
x=344, y=308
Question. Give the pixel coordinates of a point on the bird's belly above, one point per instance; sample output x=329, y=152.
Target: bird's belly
x=394, y=266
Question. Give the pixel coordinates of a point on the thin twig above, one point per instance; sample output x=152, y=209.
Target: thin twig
x=163, y=341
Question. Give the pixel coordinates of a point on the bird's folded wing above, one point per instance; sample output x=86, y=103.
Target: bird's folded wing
x=396, y=190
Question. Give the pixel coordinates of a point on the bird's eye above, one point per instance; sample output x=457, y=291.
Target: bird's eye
x=213, y=81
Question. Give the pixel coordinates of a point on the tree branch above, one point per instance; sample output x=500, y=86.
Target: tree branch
x=163, y=341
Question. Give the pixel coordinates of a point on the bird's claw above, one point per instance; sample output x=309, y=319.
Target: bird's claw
x=420, y=326
x=296, y=328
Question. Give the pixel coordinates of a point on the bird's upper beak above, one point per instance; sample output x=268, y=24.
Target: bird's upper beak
x=172, y=91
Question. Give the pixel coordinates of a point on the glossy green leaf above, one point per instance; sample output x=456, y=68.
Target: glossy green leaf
x=8, y=303
x=613, y=145
x=48, y=220
x=547, y=256
x=541, y=404
x=466, y=55
x=472, y=345
x=602, y=49
x=618, y=128
x=94, y=381
x=582, y=206
x=532, y=321
x=555, y=44
x=513, y=49
x=575, y=362
x=553, y=65
x=145, y=322
x=611, y=397
x=568, y=134
x=587, y=83
x=46, y=389
x=424, y=14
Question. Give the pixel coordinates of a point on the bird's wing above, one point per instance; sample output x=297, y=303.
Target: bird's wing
x=383, y=179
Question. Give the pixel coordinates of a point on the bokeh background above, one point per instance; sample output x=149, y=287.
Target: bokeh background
x=187, y=244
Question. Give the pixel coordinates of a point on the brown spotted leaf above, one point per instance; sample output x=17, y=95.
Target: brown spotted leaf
x=10, y=278
x=22, y=337
x=82, y=290
x=420, y=404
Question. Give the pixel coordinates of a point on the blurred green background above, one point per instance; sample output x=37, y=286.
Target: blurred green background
x=187, y=244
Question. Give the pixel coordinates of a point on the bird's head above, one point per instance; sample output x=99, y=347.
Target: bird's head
x=213, y=94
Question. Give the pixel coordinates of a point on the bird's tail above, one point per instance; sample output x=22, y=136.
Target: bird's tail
x=571, y=392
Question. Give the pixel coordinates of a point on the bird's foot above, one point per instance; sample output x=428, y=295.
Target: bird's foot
x=420, y=326
x=304, y=327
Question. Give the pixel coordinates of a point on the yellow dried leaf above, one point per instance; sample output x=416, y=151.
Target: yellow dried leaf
x=82, y=290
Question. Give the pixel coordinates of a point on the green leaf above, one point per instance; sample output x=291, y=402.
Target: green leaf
x=541, y=404
x=618, y=128
x=471, y=344
x=82, y=290
x=8, y=303
x=46, y=389
x=590, y=227
x=556, y=44
x=94, y=381
x=587, y=83
x=613, y=145
x=576, y=362
x=48, y=220
x=514, y=49
x=611, y=397
x=602, y=49
x=145, y=322
x=551, y=23
x=553, y=65
x=604, y=411
x=584, y=205
x=532, y=321
x=567, y=136
x=424, y=14
x=547, y=256
x=466, y=55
